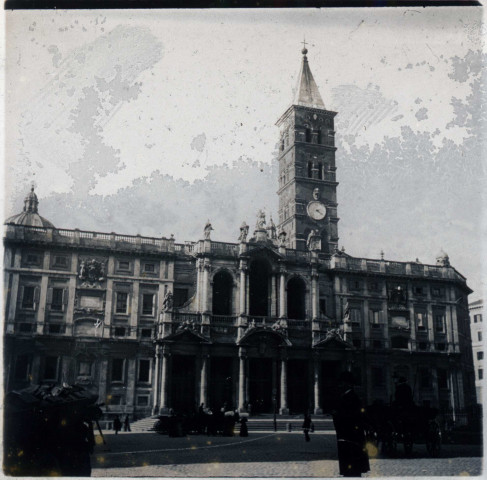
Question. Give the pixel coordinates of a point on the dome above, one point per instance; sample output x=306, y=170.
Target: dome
x=30, y=216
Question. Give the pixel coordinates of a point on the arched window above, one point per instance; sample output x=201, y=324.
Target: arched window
x=259, y=278
x=222, y=293
x=296, y=299
x=320, y=171
x=310, y=169
x=308, y=135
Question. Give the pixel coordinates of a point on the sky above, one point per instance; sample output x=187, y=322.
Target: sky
x=152, y=122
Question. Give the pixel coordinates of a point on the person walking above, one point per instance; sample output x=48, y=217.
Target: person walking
x=126, y=424
x=307, y=426
x=117, y=424
x=348, y=419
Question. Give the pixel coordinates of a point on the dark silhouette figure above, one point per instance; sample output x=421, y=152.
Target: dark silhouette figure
x=126, y=424
x=117, y=424
x=349, y=425
x=244, y=431
x=307, y=426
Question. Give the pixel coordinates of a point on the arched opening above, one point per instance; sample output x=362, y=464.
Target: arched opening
x=259, y=290
x=222, y=293
x=296, y=299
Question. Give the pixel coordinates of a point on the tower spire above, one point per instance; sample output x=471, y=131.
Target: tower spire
x=307, y=93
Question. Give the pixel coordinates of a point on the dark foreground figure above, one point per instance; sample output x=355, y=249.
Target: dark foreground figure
x=348, y=419
x=49, y=431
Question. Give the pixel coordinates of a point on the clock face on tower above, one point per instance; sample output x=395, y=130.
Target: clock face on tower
x=316, y=210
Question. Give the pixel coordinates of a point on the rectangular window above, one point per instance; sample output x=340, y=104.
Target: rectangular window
x=117, y=369
x=33, y=259
x=323, y=306
x=421, y=323
x=149, y=268
x=144, y=371
x=22, y=367
x=28, y=297
x=148, y=304
x=146, y=333
x=436, y=292
x=123, y=265
x=115, y=400
x=356, y=316
x=119, y=331
x=57, y=328
x=375, y=317
x=439, y=323
x=142, y=400
x=480, y=355
x=479, y=336
x=377, y=376
x=441, y=347
x=442, y=378
x=423, y=346
x=180, y=296
x=122, y=302
x=84, y=369
x=419, y=290
x=60, y=261
x=51, y=368
x=481, y=373
x=373, y=286
x=26, y=327
x=57, y=300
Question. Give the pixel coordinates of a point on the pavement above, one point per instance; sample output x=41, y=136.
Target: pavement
x=264, y=454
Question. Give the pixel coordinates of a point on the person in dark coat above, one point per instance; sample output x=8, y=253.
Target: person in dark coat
x=117, y=424
x=348, y=419
x=307, y=426
x=126, y=424
x=244, y=431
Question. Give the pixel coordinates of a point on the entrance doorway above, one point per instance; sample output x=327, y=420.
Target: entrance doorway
x=221, y=383
x=330, y=372
x=260, y=385
x=183, y=383
x=297, y=387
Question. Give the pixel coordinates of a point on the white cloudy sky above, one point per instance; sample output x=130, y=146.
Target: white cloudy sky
x=153, y=121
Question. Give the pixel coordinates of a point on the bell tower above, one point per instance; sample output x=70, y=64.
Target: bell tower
x=307, y=180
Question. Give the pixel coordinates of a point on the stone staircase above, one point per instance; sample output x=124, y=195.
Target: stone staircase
x=259, y=423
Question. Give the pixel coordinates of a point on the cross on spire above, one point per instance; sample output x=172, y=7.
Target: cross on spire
x=304, y=42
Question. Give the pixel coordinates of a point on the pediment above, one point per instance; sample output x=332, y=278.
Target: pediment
x=255, y=335
x=186, y=335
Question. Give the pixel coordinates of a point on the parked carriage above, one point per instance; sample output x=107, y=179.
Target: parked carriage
x=390, y=425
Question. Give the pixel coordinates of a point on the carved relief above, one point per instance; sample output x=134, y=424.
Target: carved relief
x=91, y=273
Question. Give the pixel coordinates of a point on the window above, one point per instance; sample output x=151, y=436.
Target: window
x=122, y=302
x=375, y=317
x=57, y=299
x=123, y=265
x=399, y=342
x=439, y=322
x=51, y=368
x=148, y=304
x=180, y=296
x=354, y=285
x=377, y=376
x=436, y=292
x=356, y=316
x=26, y=327
x=60, y=261
x=480, y=355
x=144, y=371
x=323, y=307
x=423, y=346
x=149, y=267
x=57, y=328
x=481, y=373
x=84, y=369
x=22, y=367
x=117, y=369
x=310, y=169
x=421, y=323
x=419, y=290
x=441, y=347
x=479, y=336
x=373, y=286
x=115, y=400
x=143, y=400
x=442, y=378
x=146, y=333
x=29, y=296
x=477, y=318
x=119, y=331
x=320, y=171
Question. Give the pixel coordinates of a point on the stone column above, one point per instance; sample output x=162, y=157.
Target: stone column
x=412, y=318
x=204, y=379
x=41, y=308
x=273, y=296
x=134, y=313
x=431, y=326
x=283, y=410
x=157, y=384
x=282, y=294
x=243, y=288
x=449, y=328
x=131, y=380
x=102, y=386
x=317, y=385
x=315, y=294
x=71, y=294
x=206, y=285
x=165, y=374
x=242, y=380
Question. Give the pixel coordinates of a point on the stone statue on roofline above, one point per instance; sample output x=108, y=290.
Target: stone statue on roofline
x=167, y=302
x=260, y=220
x=272, y=229
x=282, y=238
x=207, y=230
x=244, y=231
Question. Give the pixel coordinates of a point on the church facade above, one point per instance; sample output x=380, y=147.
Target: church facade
x=263, y=324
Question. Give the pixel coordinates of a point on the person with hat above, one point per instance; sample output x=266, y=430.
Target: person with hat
x=348, y=419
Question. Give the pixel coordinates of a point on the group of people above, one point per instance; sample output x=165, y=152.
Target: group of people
x=117, y=424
